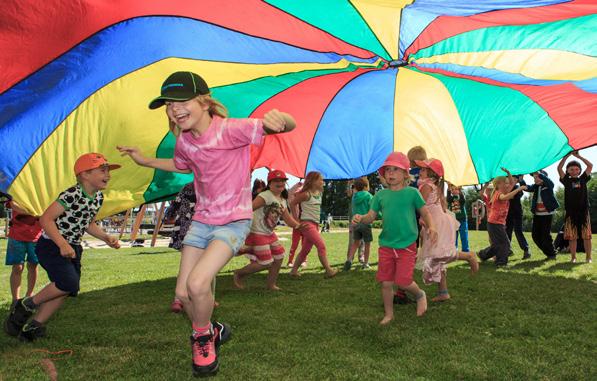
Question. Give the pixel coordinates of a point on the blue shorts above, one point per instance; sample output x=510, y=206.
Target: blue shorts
x=64, y=272
x=19, y=251
x=233, y=234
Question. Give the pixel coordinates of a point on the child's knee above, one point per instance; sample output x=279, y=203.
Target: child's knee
x=387, y=285
x=69, y=285
x=403, y=284
x=198, y=286
x=17, y=269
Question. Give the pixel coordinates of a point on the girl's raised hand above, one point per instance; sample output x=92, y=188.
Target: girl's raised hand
x=274, y=121
x=134, y=153
x=505, y=170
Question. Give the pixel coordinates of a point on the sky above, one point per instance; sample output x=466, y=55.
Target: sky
x=552, y=171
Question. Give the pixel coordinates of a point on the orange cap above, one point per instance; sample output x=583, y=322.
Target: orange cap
x=90, y=161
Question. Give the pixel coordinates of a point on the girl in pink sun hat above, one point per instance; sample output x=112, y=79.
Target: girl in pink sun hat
x=398, y=239
x=436, y=256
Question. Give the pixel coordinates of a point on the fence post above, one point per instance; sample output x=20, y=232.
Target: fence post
x=158, y=224
x=138, y=221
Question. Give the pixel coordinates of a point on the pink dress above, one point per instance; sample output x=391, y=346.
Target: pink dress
x=435, y=258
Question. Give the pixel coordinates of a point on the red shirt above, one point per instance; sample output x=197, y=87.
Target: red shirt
x=498, y=209
x=23, y=227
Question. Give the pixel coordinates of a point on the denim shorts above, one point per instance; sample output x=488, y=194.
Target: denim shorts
x=233, y=234
x=19, y=251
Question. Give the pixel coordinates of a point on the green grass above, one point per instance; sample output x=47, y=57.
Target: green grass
x=530, y=321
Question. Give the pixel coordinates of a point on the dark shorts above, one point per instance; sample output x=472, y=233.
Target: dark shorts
x=362, y=232
x=64, y=272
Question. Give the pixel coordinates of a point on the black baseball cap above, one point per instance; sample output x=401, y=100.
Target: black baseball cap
x=180, y=86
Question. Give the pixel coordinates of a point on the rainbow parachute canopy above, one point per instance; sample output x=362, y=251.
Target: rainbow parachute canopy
x=480, y=85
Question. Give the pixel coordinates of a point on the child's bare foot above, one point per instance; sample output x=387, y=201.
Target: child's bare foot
x=274, y=288
x=238, y=281
x=294, y=274
x=441, y=297
x=421, y=303
x=473, y=263
x=330, y=274
x=386, y=320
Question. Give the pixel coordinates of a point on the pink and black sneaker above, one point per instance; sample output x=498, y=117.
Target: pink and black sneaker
x=205, y=356
x=206, y=347
x=221, y=332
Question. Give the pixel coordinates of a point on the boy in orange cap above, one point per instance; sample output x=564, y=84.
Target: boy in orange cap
x=59, y=248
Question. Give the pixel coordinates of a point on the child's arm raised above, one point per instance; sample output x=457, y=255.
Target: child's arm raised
x=47, y=222
x=366, y=218
x=546, y=181
x=151, y=162
x=589, y=165
x=275, y=122
x=561, y=166
x=510, y=195
x=510, y=179
x=99, y=233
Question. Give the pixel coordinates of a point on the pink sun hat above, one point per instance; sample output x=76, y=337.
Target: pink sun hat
x=434, y=164
x=395, y=159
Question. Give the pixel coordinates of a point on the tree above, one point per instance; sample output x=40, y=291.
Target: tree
x=335, y=199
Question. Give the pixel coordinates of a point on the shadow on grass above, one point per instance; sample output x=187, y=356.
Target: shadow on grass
x=494, y=328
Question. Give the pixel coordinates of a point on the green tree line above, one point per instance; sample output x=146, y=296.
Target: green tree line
x=336, y=202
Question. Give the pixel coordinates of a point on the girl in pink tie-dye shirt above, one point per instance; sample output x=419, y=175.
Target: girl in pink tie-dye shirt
x=217, y=150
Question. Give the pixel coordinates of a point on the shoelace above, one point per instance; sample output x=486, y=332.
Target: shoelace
x=201, y=346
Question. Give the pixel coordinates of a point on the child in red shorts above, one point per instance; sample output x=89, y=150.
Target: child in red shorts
x=397, y=241
x=262, y=246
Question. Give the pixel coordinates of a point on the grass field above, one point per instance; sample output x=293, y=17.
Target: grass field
x=533, y=320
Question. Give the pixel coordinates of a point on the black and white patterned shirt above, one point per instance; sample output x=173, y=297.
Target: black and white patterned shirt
x=80, y=209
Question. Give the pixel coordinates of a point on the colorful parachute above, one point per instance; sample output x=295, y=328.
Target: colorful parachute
x=479, y=84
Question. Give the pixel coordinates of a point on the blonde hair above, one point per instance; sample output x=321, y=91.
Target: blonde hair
x=310, y=180
x=215, y=107
x=416, y=153
x=496, y=182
